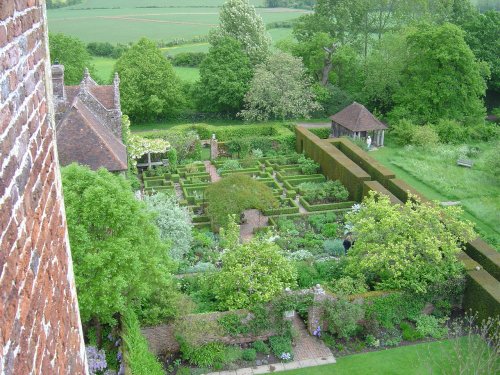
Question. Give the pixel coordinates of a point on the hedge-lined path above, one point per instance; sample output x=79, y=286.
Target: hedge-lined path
x=302, y=210
x=308, y=352
x=178, y=191
x=253, y=219
x=210, y=168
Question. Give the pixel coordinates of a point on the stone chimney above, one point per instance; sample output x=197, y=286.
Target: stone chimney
x=58, y=83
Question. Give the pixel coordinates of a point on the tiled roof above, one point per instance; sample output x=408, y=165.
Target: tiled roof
x=356, y=117
x=82, y=137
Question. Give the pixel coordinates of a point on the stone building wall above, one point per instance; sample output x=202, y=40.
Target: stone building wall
x=40, y=330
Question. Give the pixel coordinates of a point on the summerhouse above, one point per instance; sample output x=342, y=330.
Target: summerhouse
x=357, y=122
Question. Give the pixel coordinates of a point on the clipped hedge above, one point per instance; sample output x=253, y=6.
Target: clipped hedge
x=291, y=209
x=401, y=189
x=482, y=294
x=485, y=255
x=324, y=207
x=334, y=163
x=138, y=359
x=377, y=187
x=376, y=170
x=293, y=183
x=323, y=133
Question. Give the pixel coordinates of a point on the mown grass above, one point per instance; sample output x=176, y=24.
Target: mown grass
x=435, y=173
x=128, y=20
x=427, y=358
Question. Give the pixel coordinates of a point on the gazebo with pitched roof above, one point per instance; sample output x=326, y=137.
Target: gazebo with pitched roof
x=357, y=122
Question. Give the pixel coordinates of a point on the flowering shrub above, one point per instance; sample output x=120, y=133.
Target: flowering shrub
x=96, y=360
x=317, y=332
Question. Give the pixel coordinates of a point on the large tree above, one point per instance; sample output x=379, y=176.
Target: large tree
x=483, y=37
x=72, y=53
x=118, y=256
x=280, y=89
x=406, y=247
x=252, y=273
x=441, y=79
x=225, y=76
x=149, y=88
x=239, y=20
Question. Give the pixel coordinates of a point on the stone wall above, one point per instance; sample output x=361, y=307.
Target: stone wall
x=40, y=330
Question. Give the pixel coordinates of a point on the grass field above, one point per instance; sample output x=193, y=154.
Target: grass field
x=427, y=358
x=128, y=20
x=437, y=176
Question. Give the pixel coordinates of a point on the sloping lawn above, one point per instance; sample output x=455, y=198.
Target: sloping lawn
x=427, y=358
x=436, y=175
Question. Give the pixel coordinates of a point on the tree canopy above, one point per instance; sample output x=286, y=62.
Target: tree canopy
x=149, y=88
x=225, y=76
x=406, y=247
x=239, y=20
x=234, y=194
x=441, y=79
x=72, y=53
x=252, y=273
x=118, y=256
x=280, y=89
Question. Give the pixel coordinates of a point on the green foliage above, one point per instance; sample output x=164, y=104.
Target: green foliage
x=343, y=317
x=251, y=273
x=172, y=159
x=323, y=192
x=225, y=76
x=234, y=194
x=408, y=247
x=280, y=345
x=428, y=325
x=391, y=309
x=118, y=256
x=189, y=59
x=136, y=354
x=424, y=136
x=106, y=49
x=402, y=131
x=72, y=53
x=346, y=286
x=261, y=347
x=148, y=86
x=308, y=166
x=230, y=165
x=249, y=354
x=213, y=354
x=409, y=332
x=329, y=230
x=232, y=325
x=334, y=247
x=173, y=221
x=279, y=90
x=450, y=131
x=239, y=20
x=442, y=79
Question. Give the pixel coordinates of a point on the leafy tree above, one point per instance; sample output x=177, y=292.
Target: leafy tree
x=279, y=89
x=252, y=273
x=72, y=53
x=225, y=76
x=406, y=247
x=239, y=20
x=483, y=37
x=441, y=78
x=234, y=194
x=119, y=258
x=173, y=221
x=149, y=87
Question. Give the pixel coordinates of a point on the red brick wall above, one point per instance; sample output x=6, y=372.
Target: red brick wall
x=40, y=331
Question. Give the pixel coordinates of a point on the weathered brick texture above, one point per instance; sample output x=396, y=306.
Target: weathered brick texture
x=40, y=330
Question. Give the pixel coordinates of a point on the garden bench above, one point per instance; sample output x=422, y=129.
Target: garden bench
x=465, y=163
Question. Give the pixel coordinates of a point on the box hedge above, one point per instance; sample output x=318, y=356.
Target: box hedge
x=324, y=207
x=334, y=163
x=291, y=209
x=482, y=294
x=485, y=255
x=377, y=187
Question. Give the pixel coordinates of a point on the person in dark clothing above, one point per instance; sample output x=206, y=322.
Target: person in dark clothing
x=347, y=243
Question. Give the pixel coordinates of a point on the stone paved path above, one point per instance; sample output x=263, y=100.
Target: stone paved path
x=178, y=191
x=308, y=352
x=210, y=168
x=254, y=219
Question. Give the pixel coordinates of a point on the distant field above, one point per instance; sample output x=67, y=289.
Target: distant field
x=128, y=20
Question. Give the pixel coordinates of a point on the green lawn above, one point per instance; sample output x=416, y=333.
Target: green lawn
x=187, y=74
x=426, y=358
x=128, y=20
x=436, y=175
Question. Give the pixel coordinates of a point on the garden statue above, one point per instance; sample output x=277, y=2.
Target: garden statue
x=369, y=142
x=213, y=136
